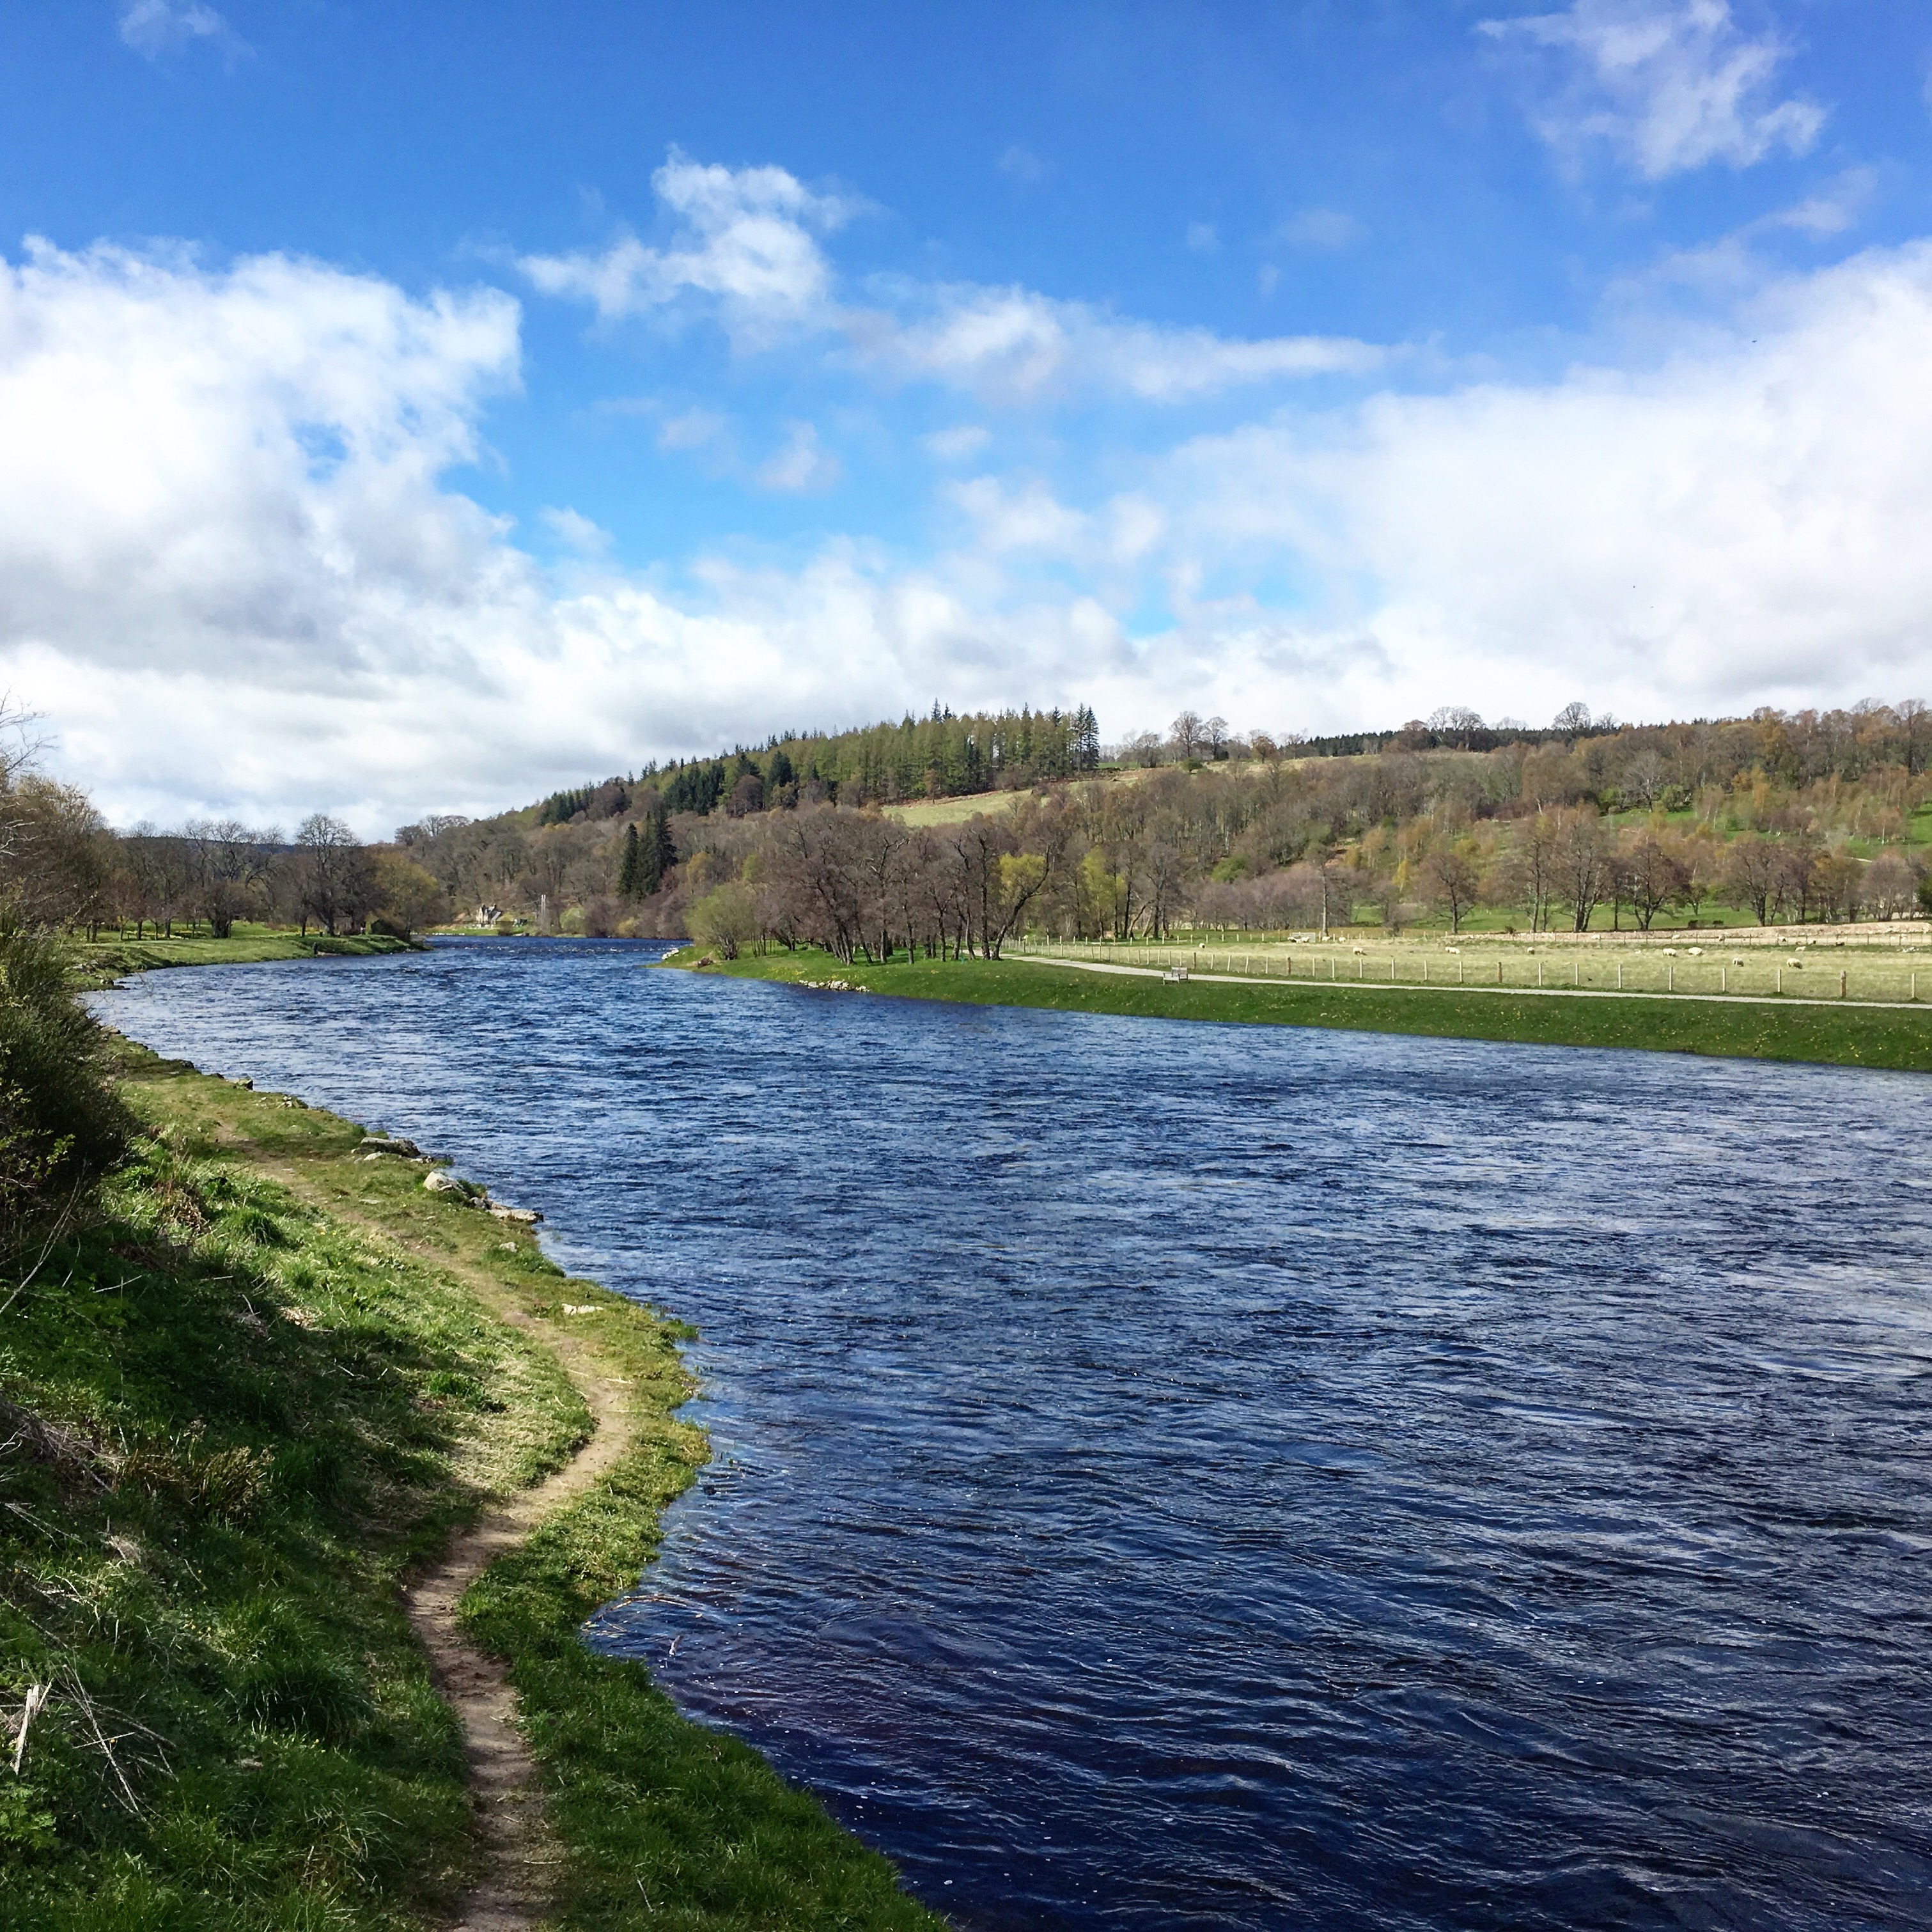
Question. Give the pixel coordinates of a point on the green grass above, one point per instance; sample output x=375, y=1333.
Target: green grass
x=1852, y=1036
x=268, y=1377
x=110, y=956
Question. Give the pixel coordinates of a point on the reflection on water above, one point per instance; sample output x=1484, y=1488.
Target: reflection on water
x=1180, y=1476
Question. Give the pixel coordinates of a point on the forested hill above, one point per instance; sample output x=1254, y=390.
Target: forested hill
x=941, y=756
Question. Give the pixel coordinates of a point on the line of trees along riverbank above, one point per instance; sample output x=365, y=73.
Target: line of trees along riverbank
x=1801, y=816
x=1805, y=816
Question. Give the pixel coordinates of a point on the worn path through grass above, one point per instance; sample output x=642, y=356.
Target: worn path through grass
x=275, y=1395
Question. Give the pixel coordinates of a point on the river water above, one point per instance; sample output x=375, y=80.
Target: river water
x=1172, y=1476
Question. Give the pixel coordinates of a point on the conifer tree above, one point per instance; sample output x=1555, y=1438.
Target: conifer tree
x=630, y=882
x=656, y=854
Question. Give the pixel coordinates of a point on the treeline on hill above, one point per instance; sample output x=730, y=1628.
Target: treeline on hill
x=939, y=756
x=1804, y=816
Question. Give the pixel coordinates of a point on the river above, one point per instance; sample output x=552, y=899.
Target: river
x=1171, y=1476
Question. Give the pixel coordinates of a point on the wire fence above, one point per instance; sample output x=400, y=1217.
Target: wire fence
x=1704, y=973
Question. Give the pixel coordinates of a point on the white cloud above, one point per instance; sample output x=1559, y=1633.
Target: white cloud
x=691, y=429
x=1019, y=162
x=1671, y=84
x=746, y=240
x=153, y=28
x=801, y=465
x=1830, y=211
x=234, y=574
x=1741, y=524
x=1321, y=228
x=1203, y=237
x=1011, y=345
x=957, y=444
x=748, y=246
x=576, y=531
x=1026, y=518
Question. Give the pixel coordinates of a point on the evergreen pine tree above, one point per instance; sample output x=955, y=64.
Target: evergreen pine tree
x=656, y=855
x=629, y=875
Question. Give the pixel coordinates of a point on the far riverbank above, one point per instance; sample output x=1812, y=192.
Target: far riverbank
x=1895, y=1037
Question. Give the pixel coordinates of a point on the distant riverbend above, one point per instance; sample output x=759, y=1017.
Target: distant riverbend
x=1171, y=1475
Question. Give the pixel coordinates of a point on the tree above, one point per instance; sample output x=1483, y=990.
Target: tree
x=1215, y=731
x=1573, y=721
x=229, y=862
x=327, y=859
x=1528, y=876
x=656, y=854
x=726, y=918
x=406, y=894
x=1652, y=877
x=1582, y=874
x=1752, y=874
x=1188, y=733
x=1454, y=878
x=630, y=873
x=1912, y=716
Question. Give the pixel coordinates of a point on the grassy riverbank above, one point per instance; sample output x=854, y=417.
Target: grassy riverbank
x=264, y=1380
x=109, y=956
x=1898, y=1037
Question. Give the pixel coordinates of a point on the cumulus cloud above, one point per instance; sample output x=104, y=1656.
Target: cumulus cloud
x=746, y=240
x=576, y=531
x=235, y=573
x=748, y=250
x=801, y=465
x=1742, y=523
x=153, y=28
x=1014, y=345
x=1670, y=85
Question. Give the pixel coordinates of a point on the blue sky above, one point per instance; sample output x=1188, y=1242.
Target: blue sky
x=418, y=406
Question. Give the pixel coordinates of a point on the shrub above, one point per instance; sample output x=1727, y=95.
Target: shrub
x=61, y=1125
x=725, y=918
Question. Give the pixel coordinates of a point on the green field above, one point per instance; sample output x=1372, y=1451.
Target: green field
x=264, y=1382
x=110, y=955
x=1852, y=1035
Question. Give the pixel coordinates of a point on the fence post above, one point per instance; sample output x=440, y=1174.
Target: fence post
x=1620, y=975
x=1670, y=977
x=1841, y=985
x=1539, y=975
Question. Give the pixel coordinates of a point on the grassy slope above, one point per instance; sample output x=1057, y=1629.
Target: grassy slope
x=237, y=1409
x=1860, y=1036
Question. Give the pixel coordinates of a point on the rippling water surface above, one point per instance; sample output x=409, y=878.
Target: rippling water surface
x=1178, y=1476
